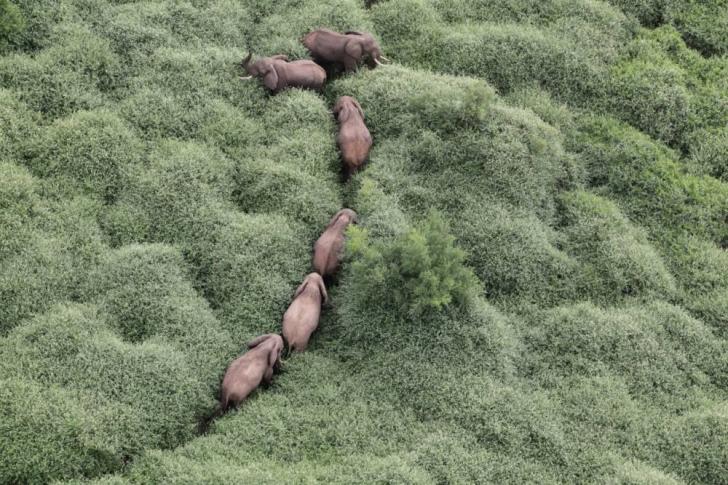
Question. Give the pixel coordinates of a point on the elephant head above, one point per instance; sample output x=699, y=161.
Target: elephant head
x=273, y=343
x=369, y=47
x=263, y=67
x=345, y=216
x=314, y=279
x=346, y=104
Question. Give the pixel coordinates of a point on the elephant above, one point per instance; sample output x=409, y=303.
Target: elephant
x=302, y=317
x=279, y=73
x=252, y=369
x=354, y=139
x=348, y=48
x=328, y=249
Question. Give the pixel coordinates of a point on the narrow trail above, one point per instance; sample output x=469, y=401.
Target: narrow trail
x=330, y=280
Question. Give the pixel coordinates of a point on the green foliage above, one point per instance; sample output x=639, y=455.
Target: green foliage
x=561, y=319
x=660, y=351
x=418, y=272
x=619, y=261
x=93, y=151
x=18, y=199
x=47, y=433
x=654, y=188
x=703, y=24
x=152, y=394
x=11, y=23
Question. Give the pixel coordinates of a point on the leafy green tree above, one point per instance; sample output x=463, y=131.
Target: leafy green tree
x=419, y=271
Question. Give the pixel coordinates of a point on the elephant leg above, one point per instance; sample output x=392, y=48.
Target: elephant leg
x=350, y=64
x=268, y=376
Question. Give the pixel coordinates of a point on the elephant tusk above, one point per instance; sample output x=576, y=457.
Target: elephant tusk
x=382, y=57
x=378, y=63
x=246, y=78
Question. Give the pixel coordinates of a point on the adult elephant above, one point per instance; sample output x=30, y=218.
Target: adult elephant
x=279, y=73
x=348, y=49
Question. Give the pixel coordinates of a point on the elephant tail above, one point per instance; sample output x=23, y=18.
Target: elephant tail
x=204, y=424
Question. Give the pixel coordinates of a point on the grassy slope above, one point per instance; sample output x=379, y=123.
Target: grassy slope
x=156, y=213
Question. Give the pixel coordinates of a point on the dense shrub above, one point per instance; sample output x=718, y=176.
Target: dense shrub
x=694, y=444
x=419, y=272
x=40, y=16
x=516, y=256
x=17, y=125
x=152, y=392
x=663, y=354
x=49, y=433
x=93, y=151
x=54, y=253
x=618, y=260
x=703, y=24
x=11, y=23
x=654, y=188
x=156, y=213
x=146, y=293
x=709, y=152
x=18, y=199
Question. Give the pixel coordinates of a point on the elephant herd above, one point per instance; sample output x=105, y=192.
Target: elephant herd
x=301, y=319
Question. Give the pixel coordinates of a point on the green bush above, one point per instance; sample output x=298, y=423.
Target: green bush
x=18, y=200
x=665, y=356
x=516, y=256
x=93, y=151
x=17, y=125
x=618, y=260
x=11, y=23
x=442, y=103
x=650, y=13
x=153, y=394
x=40, y=17
x=418, y=272
x=694, y=445
x=55, y=253
x=74, y=74
x=247, y=269
x=709, y=153
x=704, y=25
x=49, y=433
x=652, y=187
x=146, y=292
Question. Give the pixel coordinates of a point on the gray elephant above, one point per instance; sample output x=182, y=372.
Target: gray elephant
x=328, y=249
x=279, y=73
x=353, y=138
x=302, y=317
x=250, y=370
x=347, y=49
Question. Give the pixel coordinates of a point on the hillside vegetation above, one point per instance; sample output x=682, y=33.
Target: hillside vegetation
x=536, y=291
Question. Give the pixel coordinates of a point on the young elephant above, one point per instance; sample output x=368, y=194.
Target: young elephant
x=328, y=249
x=349, y=48
x=278, y=73
x=354, y=139
x=247, y=372
x=302, y=317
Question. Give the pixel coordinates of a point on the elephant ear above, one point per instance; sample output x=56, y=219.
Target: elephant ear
x=300, y=288
x=270, y=79
x=257, y=341
x=274, y=357
x=281, y=57
x=353, y=48
x=334, y=220
x=322, y=289
x=352, y=32
x=358, y=107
